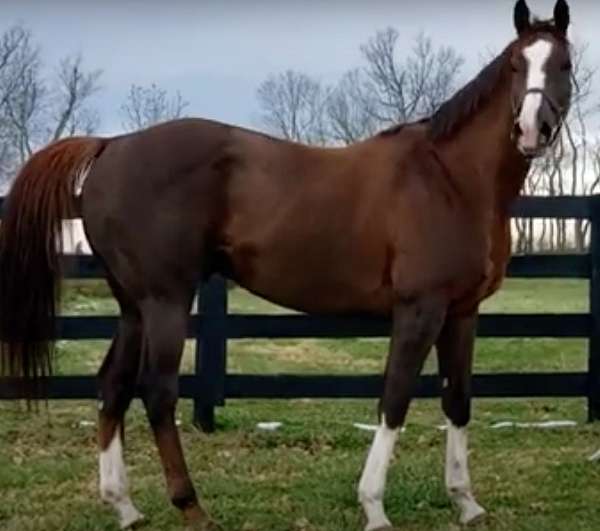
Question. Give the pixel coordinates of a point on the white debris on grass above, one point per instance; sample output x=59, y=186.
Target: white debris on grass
x=269, y=426
x=507, y=424
x=366, y=427
x=542, y=425
x=371, y=427
x=595, y=456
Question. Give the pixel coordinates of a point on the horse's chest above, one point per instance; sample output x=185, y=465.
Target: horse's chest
x=488, y=278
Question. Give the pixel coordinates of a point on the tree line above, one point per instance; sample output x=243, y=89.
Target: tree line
x=40, y=103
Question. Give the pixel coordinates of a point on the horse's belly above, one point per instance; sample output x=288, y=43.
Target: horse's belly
x=313, y=280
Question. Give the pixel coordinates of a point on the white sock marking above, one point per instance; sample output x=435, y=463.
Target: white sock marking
x=536, y=55
x=113, y=482
x=372, y=482
x=458, y=482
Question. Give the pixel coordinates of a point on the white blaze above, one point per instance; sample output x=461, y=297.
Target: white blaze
x=372, y=482
x=536, y=55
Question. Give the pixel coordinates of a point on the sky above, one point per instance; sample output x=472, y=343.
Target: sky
x=216, y=53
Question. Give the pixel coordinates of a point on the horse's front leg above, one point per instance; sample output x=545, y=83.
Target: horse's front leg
x=455, y=355
x=416, y=325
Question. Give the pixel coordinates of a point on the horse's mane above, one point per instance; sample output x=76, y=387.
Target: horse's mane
x=459, y=108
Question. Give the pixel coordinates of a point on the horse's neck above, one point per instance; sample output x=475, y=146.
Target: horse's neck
x=482, y=156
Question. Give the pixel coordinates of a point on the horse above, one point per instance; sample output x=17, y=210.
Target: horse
x=411, y=223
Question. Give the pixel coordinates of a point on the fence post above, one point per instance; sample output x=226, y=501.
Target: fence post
x=594, y=341
x=211, y=352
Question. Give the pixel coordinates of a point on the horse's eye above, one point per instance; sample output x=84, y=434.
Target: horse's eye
x=566, y=66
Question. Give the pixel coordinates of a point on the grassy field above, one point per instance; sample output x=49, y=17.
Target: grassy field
x=303, y=477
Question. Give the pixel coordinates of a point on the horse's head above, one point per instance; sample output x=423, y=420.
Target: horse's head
x=541, y=78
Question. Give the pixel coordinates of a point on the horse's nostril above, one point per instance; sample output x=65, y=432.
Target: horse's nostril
x=546, y=131
x=517, y=130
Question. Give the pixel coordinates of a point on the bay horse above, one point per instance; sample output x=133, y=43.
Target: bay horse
x=412, y=223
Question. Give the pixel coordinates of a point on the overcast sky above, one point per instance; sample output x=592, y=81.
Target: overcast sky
x=217, y=52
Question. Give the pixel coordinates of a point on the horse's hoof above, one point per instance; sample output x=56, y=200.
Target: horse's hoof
x=386, y=527
x=197, y=519
x=472, y=515
x=206, y=525
x=132, y=520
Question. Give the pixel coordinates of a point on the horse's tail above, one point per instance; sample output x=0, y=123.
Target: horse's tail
x=30, y=247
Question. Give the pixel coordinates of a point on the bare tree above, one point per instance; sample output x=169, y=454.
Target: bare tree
x=16, y=55
x=37, y=107
x=40, y=111
x=351, y=111
x=568, y=169
x=19, y=66
x=75, y=86
x=293, y=106
x=146, y=106
x=402, y=90
x=383, y=91
x=580, y=159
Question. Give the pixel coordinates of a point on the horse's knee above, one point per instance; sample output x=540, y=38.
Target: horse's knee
x=457, y=407
x=461, y=417
x=394, y=408
x=112, y=405
x=115, y=397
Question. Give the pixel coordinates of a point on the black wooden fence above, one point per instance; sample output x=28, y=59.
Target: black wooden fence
x=212, y=326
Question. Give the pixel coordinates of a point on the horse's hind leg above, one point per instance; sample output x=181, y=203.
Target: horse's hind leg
x=455, y=354
x=117, y=380
x=165, y=324
x=416, y=325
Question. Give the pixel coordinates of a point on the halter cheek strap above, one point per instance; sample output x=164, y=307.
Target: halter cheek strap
x=554, y=107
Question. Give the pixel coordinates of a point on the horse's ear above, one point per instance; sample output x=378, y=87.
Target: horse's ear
x=522, y=17
x=562, y=16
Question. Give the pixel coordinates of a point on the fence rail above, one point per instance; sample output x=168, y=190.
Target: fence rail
x=212, y=326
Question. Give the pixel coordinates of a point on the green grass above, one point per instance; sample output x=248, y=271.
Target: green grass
x=303, y=477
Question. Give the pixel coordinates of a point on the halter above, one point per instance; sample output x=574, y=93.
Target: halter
x=554, y=107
